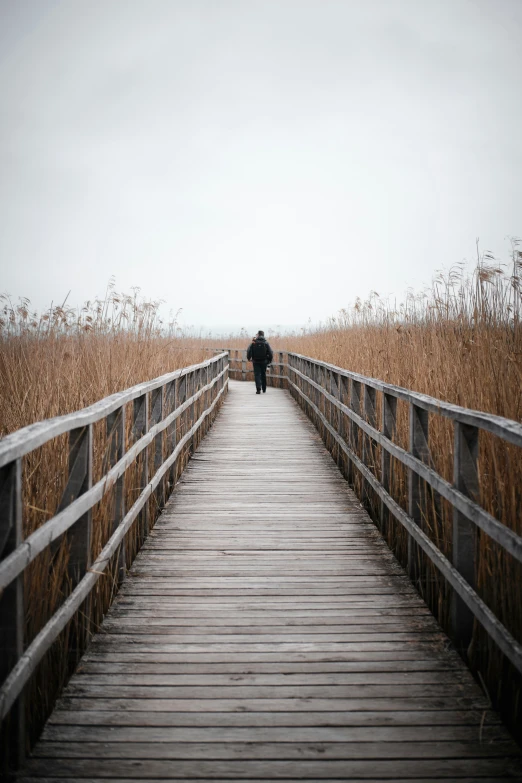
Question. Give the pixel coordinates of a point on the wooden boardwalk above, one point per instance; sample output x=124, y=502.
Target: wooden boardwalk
x=266, y=632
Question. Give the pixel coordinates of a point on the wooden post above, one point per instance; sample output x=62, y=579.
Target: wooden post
x=335, y=413
x=79, y=481
x=344, y=422
x=140, y=426
x=389, y=426
x=323, y=382
x=355, y=405
x=419, y=447
x=243, y=365
x=368, y=455
x=182, y=396
x=318, y=395
x=206, y=380
x=311, y=392
x=327, y=412
x=79, y=536
x=466, y=480
x=115, y=427
x=12, y=618
x=194, y=376
x=170, y=407
x=157, y=412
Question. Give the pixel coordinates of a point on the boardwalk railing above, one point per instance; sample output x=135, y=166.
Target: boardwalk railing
x=344, y=407
x=168, y=415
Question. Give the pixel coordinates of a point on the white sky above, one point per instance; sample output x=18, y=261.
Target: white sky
x=254, y=161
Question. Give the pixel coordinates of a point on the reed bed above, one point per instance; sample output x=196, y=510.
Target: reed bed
x=459, y=341
x=52, y=364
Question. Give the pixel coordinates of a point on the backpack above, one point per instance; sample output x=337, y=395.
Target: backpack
x=259, y=351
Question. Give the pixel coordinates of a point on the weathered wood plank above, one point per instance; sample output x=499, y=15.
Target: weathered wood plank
x=282, y=749
x=226, y=734
x=238, y=691
x=371, y=718
x=304, y=678
x=66, y=779
x=269, y=769
x=105, y=665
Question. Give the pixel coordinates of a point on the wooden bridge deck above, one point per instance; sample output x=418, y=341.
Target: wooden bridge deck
x=266, y=632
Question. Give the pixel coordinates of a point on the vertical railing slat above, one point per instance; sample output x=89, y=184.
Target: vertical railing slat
x=140, y=426
x=353, y=429
x=115, y=426
x=156, y=415
x=418, y=447
x=389, y=426
x=171, y=403
x=368, y=455
x=466, y=480
x=79, y=481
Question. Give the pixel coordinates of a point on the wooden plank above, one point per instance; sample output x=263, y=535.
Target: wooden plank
x=270, y=770
x=371, y=718
x=226, y=734
x=48, y=779
x=305, y=678
x=236, y=690
x=106, y=665
x=284, y=748
x=256, y=704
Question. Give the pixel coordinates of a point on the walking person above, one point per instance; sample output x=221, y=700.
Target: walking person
x=261, y=355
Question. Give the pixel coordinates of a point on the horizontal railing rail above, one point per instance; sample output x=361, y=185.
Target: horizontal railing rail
x=192, y=393
x=343, y=403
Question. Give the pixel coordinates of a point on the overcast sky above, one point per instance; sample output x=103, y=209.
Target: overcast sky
x=255, y=161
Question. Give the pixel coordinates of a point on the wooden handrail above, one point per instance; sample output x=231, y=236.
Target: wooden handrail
x=509, y=540
x=507, y=429
x=320, y=388
x=21, y=442
x=157, y=406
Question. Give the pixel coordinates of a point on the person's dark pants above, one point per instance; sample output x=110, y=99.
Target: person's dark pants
x=260, y=375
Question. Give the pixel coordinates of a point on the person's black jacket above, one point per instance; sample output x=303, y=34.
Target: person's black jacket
x=269, y=352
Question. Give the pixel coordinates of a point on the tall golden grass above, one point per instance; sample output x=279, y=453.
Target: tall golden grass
x=64, y=359
x=459, y=341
